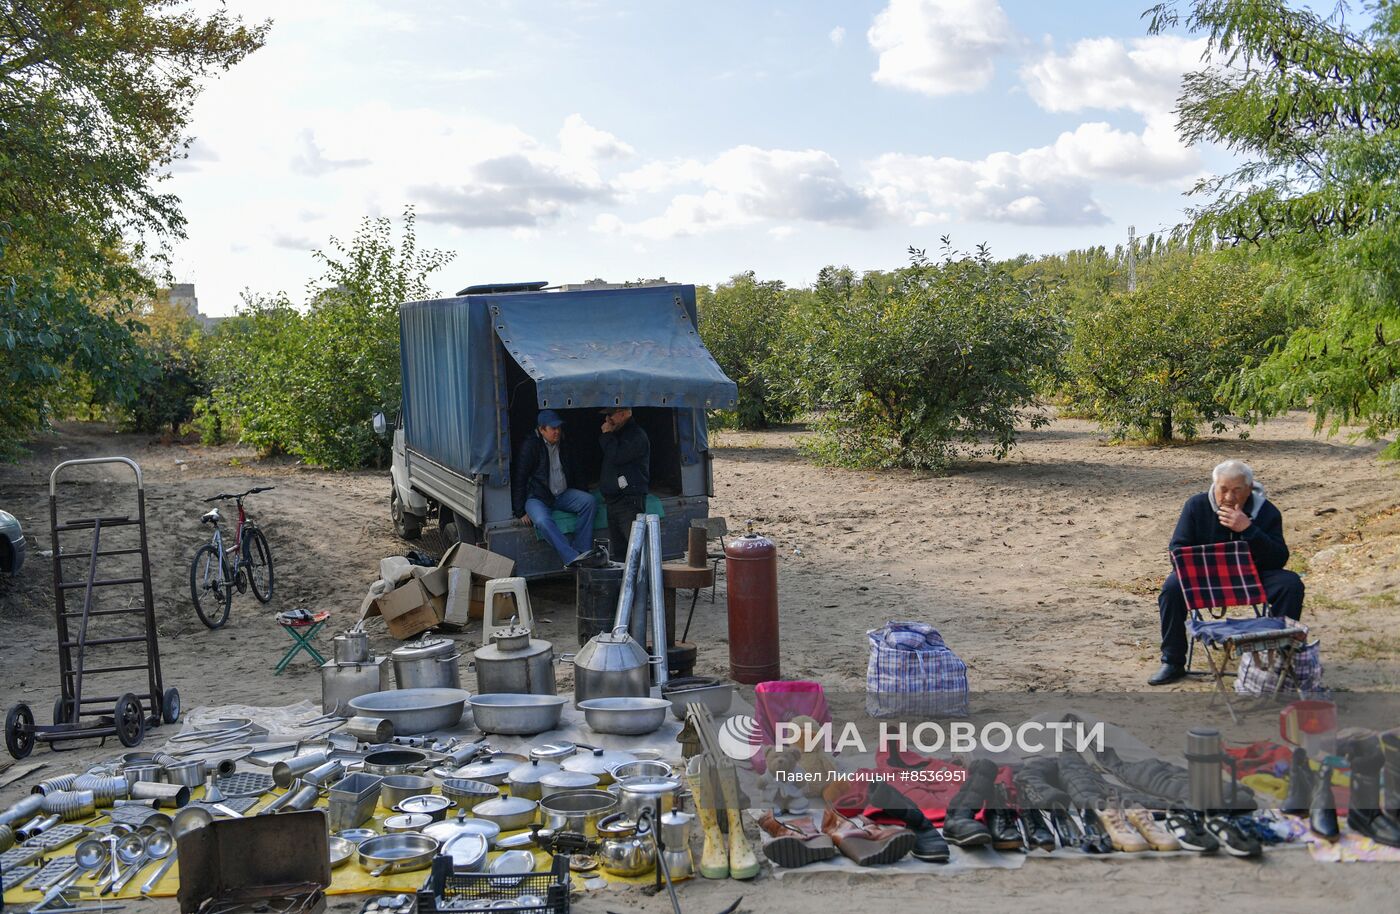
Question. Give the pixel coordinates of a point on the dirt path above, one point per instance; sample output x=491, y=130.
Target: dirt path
x=1040, y=570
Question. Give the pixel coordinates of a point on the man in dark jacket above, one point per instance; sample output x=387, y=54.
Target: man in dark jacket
x=542, y=482
x=1234, y=508
x=625, y=477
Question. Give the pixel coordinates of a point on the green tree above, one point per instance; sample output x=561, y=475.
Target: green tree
x=1150, y=364
x=309, y=384
x=95, y=98
x=1310, y=106
x=744, y=324
x=172, y=375
x=926, y=364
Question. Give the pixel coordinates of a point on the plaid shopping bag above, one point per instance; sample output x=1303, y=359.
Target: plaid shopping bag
x=1256, y=679
x=913, y=673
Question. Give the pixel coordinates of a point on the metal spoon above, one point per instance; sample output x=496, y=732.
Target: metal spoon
x=158, y=847
x=129, y=850
x=159, y=874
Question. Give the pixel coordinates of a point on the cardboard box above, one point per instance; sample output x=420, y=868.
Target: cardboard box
x=408, y=610
x=468, y=569
x=434, y=580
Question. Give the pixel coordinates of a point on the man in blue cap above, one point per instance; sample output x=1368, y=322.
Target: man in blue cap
x=540, y=484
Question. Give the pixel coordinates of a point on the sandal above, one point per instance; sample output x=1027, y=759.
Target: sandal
x=1191, y=834
x=1235, y=842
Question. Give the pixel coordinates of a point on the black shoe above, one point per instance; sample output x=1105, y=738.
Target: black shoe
x=1236, y=842
x=1191, y=833
x=1169, y=673
x=1322, y=809
x=1363, y=809
x=961, y=827
x=1300, y=785
x=1002, y=822
x=587, y=559
x=929, y=845
x=1037, y=830
x=1390, y=748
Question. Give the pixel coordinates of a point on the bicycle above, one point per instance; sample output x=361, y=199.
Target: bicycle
x=216, y=571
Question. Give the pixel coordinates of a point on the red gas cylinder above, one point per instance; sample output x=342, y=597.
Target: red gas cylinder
x=751, y=579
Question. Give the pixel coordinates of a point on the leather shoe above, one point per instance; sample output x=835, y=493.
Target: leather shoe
x=929, y=845
x=1300, y=785
x=795, y=842
x=1002, y=822
x=1322, y=809
x=1169, y=673
x=1364, y=815
x=865, y=842
x=960, y=826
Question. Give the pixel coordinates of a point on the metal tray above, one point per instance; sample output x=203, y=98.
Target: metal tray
x=245, y=784
x=14, y=877
x=50, y=873
x=57, y=837
x=16, y=857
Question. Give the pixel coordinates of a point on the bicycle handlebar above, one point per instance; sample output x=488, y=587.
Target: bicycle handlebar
x=225, y=496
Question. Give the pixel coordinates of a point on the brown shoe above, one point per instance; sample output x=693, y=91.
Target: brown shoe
x=865, y=842
x=794, y=842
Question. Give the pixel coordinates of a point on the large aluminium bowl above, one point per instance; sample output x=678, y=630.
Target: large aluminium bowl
x=414, y=711
x=624, y=716
x=516, y=714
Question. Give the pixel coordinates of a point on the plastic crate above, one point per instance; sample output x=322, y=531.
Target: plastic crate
x=447, y=892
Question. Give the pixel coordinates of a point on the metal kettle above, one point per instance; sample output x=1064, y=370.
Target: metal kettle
x=614, y=664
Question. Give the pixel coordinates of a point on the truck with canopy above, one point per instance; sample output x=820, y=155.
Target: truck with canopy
x=478, y=367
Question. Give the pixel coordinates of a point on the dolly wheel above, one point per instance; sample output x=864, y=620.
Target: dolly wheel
x=19, y=730
x=170, y=706
x=129, y=721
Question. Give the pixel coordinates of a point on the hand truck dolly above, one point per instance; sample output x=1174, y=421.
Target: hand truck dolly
x=77, y=715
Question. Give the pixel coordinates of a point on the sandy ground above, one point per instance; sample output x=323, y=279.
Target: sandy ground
x=1040, y=571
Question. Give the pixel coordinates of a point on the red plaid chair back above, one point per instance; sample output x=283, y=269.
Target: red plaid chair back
x=1218, y=576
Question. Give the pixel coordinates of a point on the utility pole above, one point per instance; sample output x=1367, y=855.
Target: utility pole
x=1132, y=258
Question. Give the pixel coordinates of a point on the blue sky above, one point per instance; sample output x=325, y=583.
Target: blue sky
x=568, y=139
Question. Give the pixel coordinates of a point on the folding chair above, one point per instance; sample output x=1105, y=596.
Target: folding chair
x=1214, y=578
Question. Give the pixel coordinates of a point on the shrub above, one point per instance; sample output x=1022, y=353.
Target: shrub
x=928, y=363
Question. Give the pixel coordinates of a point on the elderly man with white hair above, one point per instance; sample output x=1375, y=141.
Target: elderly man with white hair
x=1234, y=508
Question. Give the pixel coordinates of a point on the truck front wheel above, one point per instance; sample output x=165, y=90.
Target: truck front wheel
x=408, y=526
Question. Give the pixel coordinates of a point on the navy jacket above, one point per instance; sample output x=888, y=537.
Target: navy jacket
x=530, y=476
x=1199, y=526
x=626, y=452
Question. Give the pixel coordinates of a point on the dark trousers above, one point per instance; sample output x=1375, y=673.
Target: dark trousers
x=622, y=510
x=1283, y=588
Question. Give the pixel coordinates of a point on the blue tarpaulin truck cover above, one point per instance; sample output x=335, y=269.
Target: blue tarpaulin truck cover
x=585, y=348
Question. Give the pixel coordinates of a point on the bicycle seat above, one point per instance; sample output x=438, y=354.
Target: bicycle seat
x=211, y=516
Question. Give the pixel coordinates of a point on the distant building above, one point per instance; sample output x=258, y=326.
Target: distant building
x=182, y=295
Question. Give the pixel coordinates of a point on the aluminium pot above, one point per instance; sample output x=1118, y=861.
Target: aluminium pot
x=577, y=811
x=566, y=781
x=396, y=788
x=510, y=813
x=641, y=792
x=351, y=646
x=430, y=663
x=190, y=773
x=524, y=780
x=385, y=762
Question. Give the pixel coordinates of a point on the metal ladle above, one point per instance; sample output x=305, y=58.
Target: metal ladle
x=129, y=850
x=158, y=846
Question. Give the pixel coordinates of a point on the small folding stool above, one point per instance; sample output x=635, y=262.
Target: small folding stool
x=302, y=631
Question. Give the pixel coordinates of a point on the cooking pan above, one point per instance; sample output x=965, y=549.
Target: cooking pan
x=402, y=853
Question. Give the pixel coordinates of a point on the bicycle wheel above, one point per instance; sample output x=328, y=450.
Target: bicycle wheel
x=259, y=555
x=212, y=597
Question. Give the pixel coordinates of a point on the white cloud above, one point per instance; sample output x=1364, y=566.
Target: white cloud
x=1142, y=75
x=313, y=162
x=939, y=47
x=514, y=191
x=745, y=185
x=837, y=35
x=580, y=139
x=197, y=154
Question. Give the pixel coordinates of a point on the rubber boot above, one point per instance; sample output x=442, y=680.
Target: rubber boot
x=743, y=862
x=1300, y=785
x=1363, y=811
x=1322, y=808
x=714, y=858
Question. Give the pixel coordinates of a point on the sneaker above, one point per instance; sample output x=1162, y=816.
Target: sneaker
x=1126, y=839
x=1235, y=842
x=1191, y=833
x=1152, y=832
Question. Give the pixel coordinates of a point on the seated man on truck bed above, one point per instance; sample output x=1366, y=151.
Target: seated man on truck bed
x=625, y=477
x=541, y=483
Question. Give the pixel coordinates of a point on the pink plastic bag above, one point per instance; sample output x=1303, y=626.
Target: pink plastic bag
x=780, y=701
